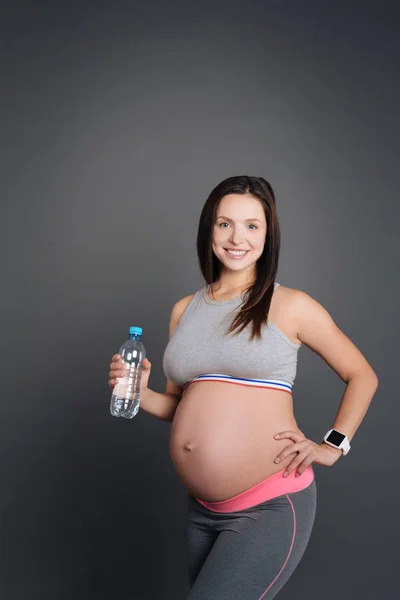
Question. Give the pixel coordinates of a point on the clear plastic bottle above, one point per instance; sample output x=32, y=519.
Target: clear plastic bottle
x=125, y=398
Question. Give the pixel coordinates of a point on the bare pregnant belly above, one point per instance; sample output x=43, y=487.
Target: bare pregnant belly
x=222, y=440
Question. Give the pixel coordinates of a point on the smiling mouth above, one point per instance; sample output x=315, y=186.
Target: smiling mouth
x=238, y=254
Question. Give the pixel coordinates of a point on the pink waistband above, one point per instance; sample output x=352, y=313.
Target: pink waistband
x=273, y=486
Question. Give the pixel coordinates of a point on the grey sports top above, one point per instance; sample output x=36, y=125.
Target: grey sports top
x=200, y=350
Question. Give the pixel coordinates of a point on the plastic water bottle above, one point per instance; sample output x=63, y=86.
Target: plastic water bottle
x=125, y=398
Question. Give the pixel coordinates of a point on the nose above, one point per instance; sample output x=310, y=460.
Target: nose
x=235, y=239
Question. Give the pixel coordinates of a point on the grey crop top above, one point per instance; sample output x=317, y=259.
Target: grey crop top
x=198, y=345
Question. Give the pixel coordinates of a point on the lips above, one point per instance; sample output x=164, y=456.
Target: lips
x=235, y=250
x=236, y=256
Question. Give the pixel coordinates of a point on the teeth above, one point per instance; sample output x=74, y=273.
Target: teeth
x=237, y=253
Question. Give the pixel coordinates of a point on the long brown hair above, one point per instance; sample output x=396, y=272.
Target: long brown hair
x=257, y=298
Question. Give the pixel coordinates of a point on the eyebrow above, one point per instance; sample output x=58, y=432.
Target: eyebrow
x=228, y=219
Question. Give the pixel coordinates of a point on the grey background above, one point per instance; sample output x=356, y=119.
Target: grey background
x=117, y=120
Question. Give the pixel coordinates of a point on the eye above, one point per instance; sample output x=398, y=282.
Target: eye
x=225, y=223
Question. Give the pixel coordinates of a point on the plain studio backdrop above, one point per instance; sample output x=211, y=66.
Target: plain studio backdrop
x=118, y=118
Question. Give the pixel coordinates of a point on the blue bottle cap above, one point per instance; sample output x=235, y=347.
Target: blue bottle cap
x=137, y=330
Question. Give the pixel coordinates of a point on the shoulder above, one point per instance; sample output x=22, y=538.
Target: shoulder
x=283, y=311
x=317, y=329
x=180, y=306
x=309, y=321
x=304, y=310
x=177, y=311
x=295, y=298
x=299, y=313
x=286, y=301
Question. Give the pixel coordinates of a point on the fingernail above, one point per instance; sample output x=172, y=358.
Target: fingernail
x=276, y=436
x=285, y=474
x=277, y=460
x=297, y=474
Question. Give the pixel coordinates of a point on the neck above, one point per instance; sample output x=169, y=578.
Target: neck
x=229, y=285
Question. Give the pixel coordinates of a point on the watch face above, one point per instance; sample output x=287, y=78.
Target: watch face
x=335, y=438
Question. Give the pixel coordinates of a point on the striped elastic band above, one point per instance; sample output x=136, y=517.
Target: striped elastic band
x=274, y=384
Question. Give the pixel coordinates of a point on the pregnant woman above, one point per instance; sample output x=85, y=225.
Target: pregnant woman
x=230, y=364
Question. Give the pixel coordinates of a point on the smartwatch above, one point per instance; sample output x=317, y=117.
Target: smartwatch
x=337, y=440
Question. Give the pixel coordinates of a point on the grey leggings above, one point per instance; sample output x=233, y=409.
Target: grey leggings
x=249, y=554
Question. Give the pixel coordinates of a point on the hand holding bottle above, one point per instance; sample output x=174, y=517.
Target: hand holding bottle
x=117, y=369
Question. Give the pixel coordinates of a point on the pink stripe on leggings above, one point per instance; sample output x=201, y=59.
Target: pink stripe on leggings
x=290, y=549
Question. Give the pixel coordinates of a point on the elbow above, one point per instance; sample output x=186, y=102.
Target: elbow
x=368, y=375
x=373, y=378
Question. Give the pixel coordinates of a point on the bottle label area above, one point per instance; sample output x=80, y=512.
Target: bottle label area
x=128, y=386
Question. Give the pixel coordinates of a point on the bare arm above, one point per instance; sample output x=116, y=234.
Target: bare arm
x=160, y=405
x=320, y=333
x=164, y=405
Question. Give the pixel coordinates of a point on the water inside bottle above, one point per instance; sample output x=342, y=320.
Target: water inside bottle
x=122, y=407
x=125, y=399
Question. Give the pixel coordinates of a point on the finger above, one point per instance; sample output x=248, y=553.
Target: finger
x=297, y=447
x=304, y=465
x=289, y=434
x=117, y=364
x=295, y=463
x=116, y=357
x=116, y=373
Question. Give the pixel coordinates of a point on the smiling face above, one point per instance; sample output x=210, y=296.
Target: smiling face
x=240, y=225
